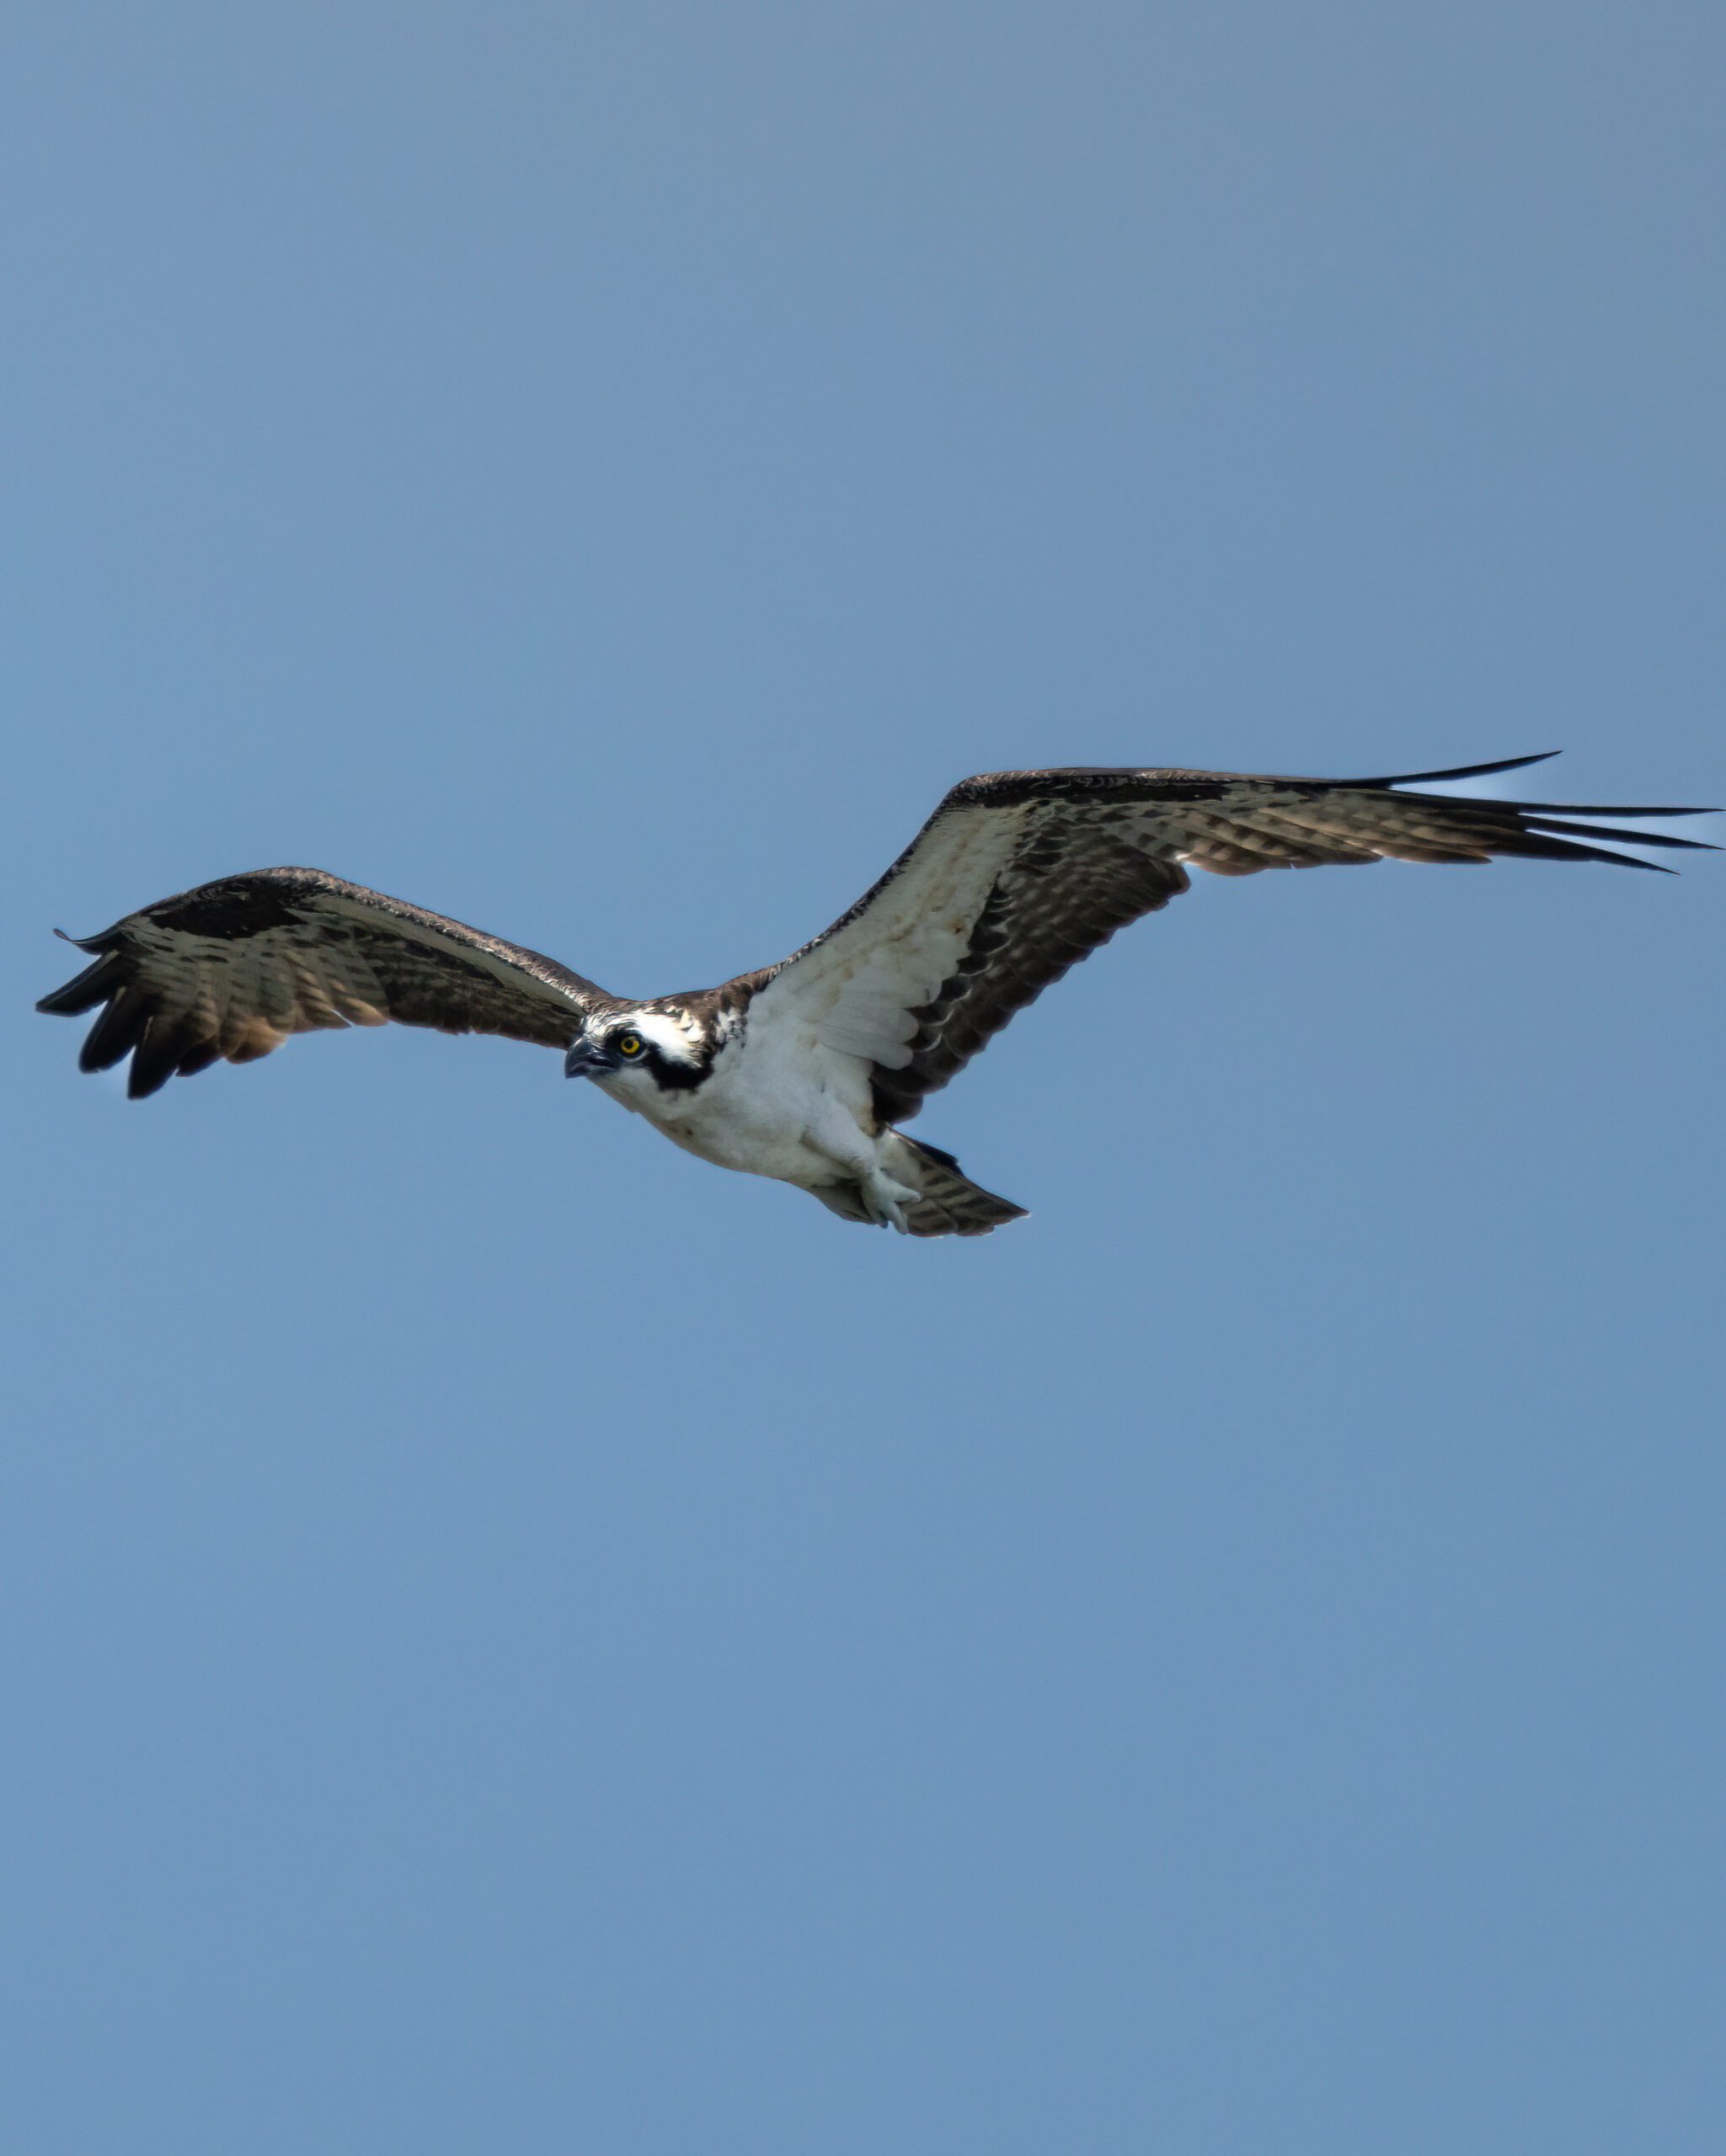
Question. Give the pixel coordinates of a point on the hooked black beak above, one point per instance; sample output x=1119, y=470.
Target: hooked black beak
x=582, y=1061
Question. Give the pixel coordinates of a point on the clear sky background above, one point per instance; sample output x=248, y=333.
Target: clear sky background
x=517, y=1641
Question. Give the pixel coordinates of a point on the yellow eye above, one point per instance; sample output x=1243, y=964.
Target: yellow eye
x=628, y=1044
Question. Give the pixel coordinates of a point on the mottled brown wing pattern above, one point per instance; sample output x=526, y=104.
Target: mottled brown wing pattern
x=1067, y=891
x=234, y=968
x=1082, y=852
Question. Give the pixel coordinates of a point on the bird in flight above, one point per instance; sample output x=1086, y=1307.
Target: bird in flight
x=803, y=1071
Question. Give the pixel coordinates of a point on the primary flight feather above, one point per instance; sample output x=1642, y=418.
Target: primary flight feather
x=802, y=1072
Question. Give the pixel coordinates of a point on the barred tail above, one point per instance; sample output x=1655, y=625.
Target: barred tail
x=951, y=1203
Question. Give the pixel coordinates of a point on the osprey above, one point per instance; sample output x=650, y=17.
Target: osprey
x=804, y=1070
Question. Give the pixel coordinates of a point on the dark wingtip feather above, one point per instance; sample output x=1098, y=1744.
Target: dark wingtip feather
x=155, y=1059
x=1568, y=850
x=200, y=1057
x=144, y=1079
x=1620, y=860
x=116, y=1032
x=1548, y=829
x=1628, y=838
x=1463, y=770
x=82, y=992
x=1604, y=808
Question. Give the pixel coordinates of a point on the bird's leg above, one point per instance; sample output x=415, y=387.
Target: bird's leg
x=886, y=1199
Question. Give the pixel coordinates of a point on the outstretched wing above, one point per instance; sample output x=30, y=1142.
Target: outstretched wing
x=1018, y=875
x=233, y=968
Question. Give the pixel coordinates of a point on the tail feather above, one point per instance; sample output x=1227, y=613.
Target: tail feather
x=951, y=1204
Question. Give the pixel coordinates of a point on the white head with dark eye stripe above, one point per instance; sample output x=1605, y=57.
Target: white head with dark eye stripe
x=640, y=1057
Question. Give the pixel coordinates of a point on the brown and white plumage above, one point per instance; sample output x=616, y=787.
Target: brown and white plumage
x=798, y=1071
x=233, y=968
x=1019, y=875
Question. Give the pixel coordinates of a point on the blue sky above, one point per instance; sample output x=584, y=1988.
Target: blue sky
x=517, y=1639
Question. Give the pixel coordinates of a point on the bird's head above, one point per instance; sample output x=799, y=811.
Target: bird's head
x=644, y=1057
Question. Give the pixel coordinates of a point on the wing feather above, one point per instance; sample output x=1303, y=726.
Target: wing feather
x=233, y=968
x=1019, y=875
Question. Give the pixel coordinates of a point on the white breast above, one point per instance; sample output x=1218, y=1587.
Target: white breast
x=775, y=1103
